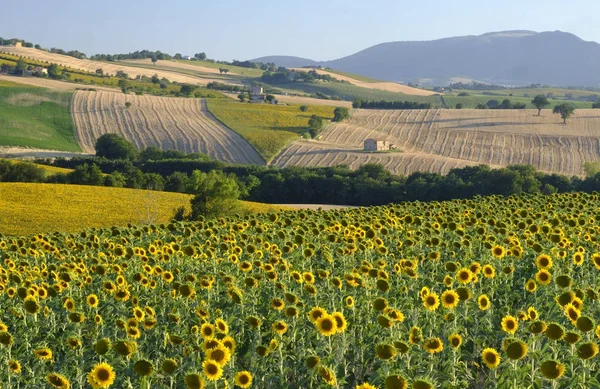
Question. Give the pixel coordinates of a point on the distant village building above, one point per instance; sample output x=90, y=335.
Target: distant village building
x=187, y=57
x=39, y=71
x=373, y=144
x=18, y=44
x=257, y=94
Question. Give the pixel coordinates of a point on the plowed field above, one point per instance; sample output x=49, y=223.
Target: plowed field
x=170, y=123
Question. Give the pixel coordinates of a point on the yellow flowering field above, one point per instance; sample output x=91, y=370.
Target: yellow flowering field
x=485, y=293
x=27, y=208
x=269, y=128
x=49, y=170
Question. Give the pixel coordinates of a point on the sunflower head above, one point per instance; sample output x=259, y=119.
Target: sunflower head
x=385, y=351
x=101, y=376
x=194, y=381
x=552, y=369
x=555, y=331
x=509, y=324
x=58, y=381
x=433, y=345
x=585, y=323
x=516, y=350
x=395, y=382
x=168, y=366
x=587, y=350
x=313, y=361
x=455, y=340
x=243, y=379
x=490, y=357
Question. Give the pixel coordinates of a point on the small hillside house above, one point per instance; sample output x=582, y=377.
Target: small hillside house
x=373, y=144
x=257, y=94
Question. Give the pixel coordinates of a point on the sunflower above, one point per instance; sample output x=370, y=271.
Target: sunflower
x=450, y=299
x=278, y=304
x=385, y=351
x=484, y=302
x=366, y=385
x=498, y=252
x=212, y=370
x=101, y=376
x=316, y=313
x=489, y=271
x=530, y=286
x=14, y=366
x=327, y=375
x=194, y=381
x=464, y=276
x=219, y=354
x=395, y=382
x=543, y=277
x=532, y=313
x=455, y=340
x=585, y=324
x=490, y=357
x=243, y=379
x=596, y=260
x=422, y=383
x=43, y=354
x=168, y=366
x=340, y=321
x=69, y=304
x=280, y=327
x=326, y=325
x=431, y=301
x=572, y=313
x=578, y=259
x=509, y=324
x=92, y=300
x=433, y=345
x=58, y=381
x=207, y=331
x=222, y=326
x=552, y=369
x=516, y=350
x=349, y=300
x=587, y=350
x=554, y=331
x=143, y=368
x=543, y=261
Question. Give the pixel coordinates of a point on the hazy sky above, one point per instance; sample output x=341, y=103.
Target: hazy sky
x=245, y=29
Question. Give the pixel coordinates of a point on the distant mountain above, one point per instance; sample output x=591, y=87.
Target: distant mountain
x=287, y=61
x=508, y=57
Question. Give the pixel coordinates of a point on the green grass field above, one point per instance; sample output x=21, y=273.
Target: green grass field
x=269, y=128
x=473, y=100
x=558, y=93
x=246, y=72
x=36, y=117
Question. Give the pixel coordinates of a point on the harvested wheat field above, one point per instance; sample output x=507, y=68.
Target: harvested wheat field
x=381, y=85
x=492, y=137
x=313, y=153
x=109, y=68
x=169, y=123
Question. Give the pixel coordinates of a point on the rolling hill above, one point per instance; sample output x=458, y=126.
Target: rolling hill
x=508, y=57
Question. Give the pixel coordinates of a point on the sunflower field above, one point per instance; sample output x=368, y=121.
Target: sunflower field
x=485, y=293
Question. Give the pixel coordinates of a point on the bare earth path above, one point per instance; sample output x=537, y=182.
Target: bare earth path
x=439, y=140
x=169, y=123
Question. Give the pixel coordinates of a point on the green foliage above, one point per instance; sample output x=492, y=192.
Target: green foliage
x=36, y=117
x=315, y=124
x=340, y=114
x=565, y=110
x=54, y=71
x=113, y=146
x=304, y=108
x=87, y=175
x=591, y=168
x=215, y=193
x=20, y=172
x=187, y=89
x=540, y=102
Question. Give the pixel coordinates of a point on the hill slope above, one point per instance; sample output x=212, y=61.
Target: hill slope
x=509, y=57
x=439, y=140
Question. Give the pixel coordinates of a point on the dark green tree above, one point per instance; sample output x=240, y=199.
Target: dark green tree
x=21, y=67
x=113, y=146
x=565, y=110
x=54, y=71
x=540, y=102
x=340, y=113
x=216, y=193
x=270, y=98
x=187, y=89
x=304, y=108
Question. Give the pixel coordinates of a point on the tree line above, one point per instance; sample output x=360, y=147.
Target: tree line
x=287, y=76
x=119, y=164
x=365, y=104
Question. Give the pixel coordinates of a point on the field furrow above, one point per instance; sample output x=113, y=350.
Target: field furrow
x=437, y=139
x=169, y=123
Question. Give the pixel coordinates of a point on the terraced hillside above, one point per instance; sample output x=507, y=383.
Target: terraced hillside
x=438, y=140
x=169, y=123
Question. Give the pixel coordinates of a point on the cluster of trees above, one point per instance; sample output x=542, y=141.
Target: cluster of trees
x=390, y=104
x=71, y=53
x=287, y=76
x=119, y=164
x=475, y=86
x=215, y=85
x=13, y=41
x=143, y=54
x=504, y=104
x=340, y=114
